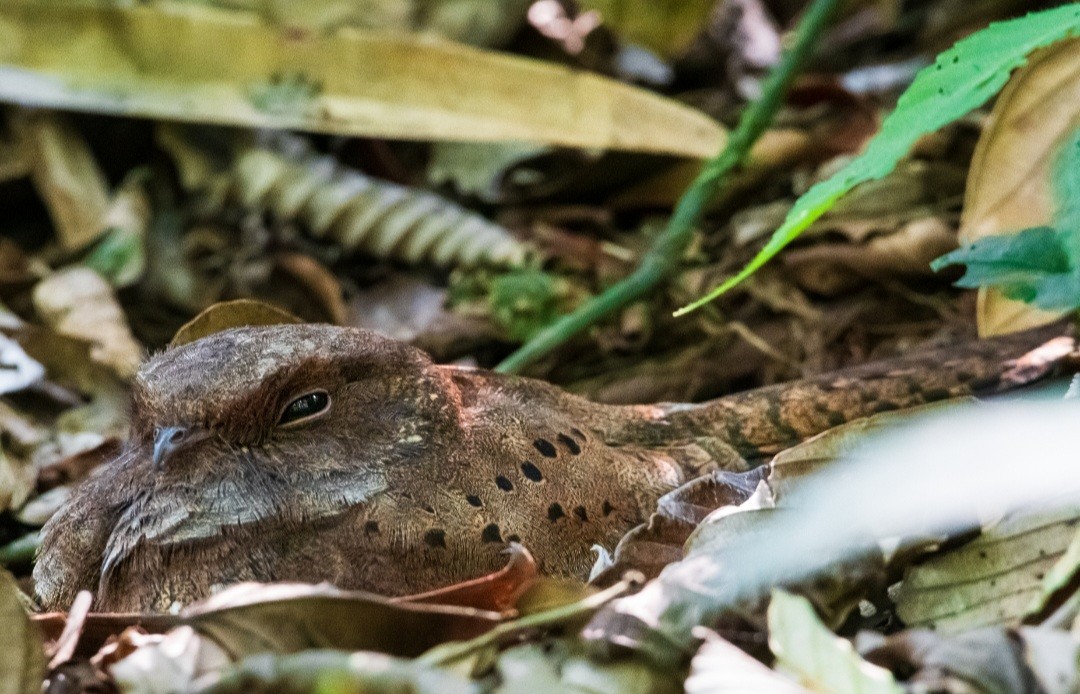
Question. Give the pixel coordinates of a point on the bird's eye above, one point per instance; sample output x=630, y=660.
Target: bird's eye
x=305, y=407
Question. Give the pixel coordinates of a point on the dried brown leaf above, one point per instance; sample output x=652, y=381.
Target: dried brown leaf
x=284, y=618
x=153, y=61
x=496, y=592
x=78, y=302
x=66, y=175
x=231, y=314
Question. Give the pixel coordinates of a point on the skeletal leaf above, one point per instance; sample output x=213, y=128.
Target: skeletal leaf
x=360, y=213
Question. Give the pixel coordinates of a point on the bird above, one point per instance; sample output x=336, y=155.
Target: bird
x=315, y=453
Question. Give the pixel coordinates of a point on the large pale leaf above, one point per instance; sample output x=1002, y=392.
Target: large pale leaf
x=1009, y=187
x=164, y=61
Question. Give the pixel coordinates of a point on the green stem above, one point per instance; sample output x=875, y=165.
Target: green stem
x=664, y=256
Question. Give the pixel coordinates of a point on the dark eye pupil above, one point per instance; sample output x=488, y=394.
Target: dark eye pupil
x=305, y=406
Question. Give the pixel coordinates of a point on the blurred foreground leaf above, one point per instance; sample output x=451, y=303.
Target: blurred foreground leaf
x=22, y=654
x=153, y=61
x=336, y=672
x=720, y=666
x=821, y=661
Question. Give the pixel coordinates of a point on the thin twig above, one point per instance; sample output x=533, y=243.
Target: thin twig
x=664, y=256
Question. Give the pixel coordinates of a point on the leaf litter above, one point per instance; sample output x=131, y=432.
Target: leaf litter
x=121, y=233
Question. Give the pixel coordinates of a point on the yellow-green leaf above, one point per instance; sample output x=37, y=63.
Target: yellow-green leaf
x=665, y=26
x=162, y=61
x=22, y=655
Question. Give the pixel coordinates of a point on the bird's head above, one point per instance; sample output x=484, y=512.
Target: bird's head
x=321, y=396
x=286, y=423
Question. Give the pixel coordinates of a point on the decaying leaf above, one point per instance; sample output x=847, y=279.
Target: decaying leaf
x=152, y=61
x=78, y=302
x=16, y=481
x=822, y=662
x=1059, y=581
x=66, y=174
x=1010, y=187
x=831, y=268
x=22, y=653
x=251, y=618
x=69, y=364
x=475, y=22
x=991, y=580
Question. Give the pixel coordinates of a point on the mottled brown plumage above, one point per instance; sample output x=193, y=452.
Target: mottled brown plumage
x=417, y=475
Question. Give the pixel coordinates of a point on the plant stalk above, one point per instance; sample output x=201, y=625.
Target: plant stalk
x=663, y=258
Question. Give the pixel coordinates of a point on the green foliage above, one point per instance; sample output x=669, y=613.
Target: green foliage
x=962, y=78
x=1040, y=266
x=524, y=301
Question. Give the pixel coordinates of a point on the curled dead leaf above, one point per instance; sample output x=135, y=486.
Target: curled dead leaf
x=231, y=314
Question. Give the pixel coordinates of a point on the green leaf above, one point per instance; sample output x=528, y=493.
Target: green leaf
x=1040, y=266
x=1007, y=259
x=962, y=78
x=821, y=661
